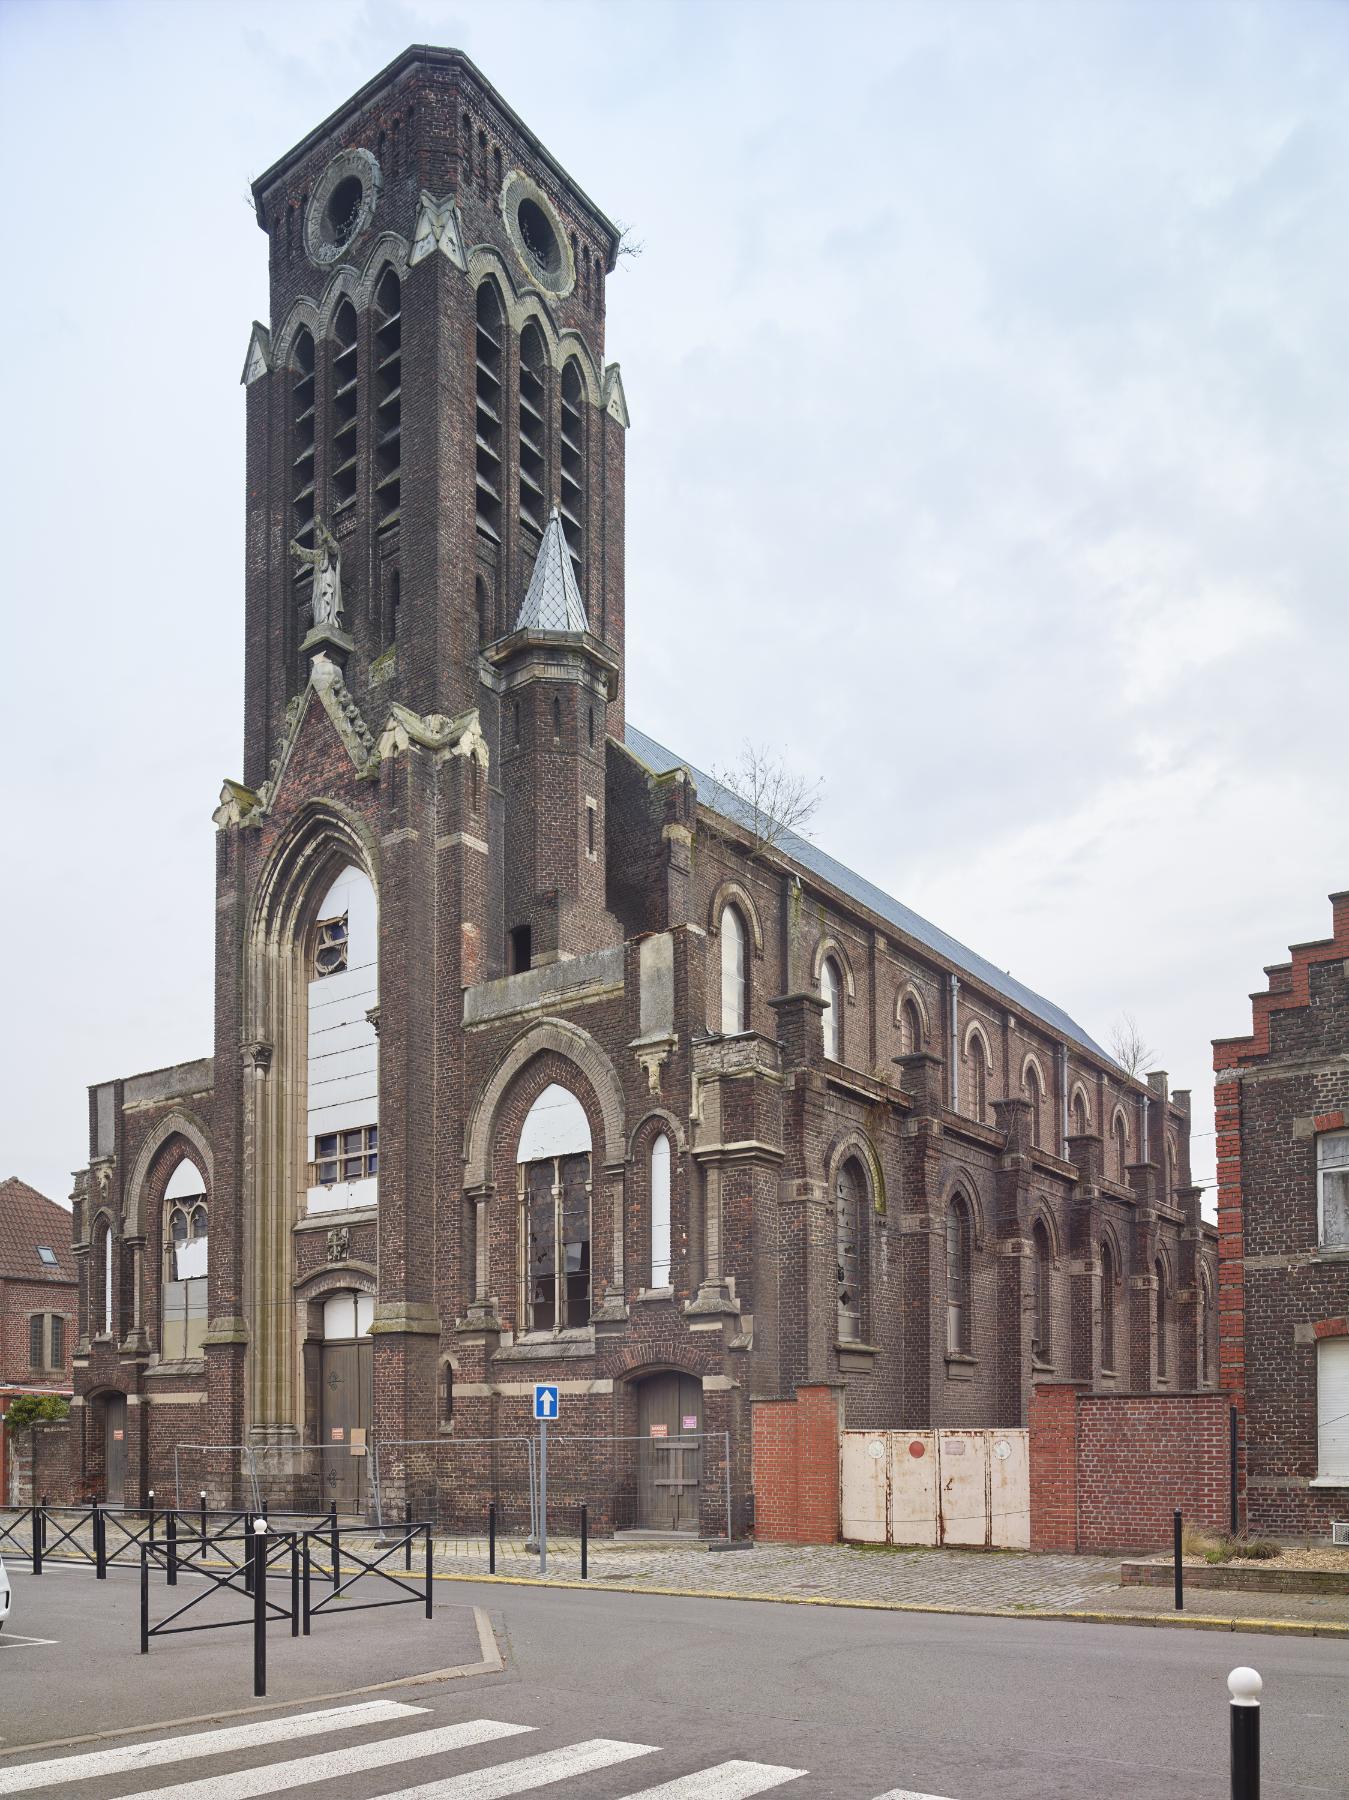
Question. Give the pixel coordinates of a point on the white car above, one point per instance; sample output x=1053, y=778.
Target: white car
x=4, y=1593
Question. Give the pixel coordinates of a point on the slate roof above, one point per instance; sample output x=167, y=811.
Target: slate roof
x=553, y=600
x=28, y=1219
x=865, y=893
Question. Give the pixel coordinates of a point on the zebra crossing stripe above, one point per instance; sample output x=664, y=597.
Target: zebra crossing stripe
x=724, y=1781
x=528, y=1772
x=334, y=1765
x=131, y=1758
x=907, y=1794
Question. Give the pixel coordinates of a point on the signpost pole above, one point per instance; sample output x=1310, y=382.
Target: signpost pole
x=543, y=1496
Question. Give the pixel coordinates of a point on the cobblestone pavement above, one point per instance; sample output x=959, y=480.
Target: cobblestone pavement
x=960, y=1579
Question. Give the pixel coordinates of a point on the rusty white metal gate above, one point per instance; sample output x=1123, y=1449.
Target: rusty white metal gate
x=936, y=1487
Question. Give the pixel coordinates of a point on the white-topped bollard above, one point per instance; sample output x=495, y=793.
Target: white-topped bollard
x=1244, y=1685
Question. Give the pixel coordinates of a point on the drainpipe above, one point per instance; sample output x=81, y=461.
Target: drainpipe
x=953, y=1058
x=1063, y=1100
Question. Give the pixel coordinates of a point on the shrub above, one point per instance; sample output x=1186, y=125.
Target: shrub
x=35, y=1409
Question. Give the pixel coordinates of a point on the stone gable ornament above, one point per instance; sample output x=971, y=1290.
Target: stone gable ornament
x=325, y=559
x=339, y=1244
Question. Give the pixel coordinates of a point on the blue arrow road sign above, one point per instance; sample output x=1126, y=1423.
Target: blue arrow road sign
x=545, y=1400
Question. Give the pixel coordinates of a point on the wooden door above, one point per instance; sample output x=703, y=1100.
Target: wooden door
x=669, y=1452
x=346, y=1382
x=114, y=1448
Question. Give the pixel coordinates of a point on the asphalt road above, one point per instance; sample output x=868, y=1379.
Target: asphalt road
x=608, y=1695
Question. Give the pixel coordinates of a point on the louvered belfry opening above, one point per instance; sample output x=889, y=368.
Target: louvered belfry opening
x=573, y=467
x=346, y=400
x=388, y=397
x=533, y=431
x=302, y=443
x=489, y=341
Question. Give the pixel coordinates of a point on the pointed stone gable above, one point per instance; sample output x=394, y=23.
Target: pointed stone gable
x=553, y=600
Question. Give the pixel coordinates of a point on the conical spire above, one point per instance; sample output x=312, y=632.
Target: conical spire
x=553, y=601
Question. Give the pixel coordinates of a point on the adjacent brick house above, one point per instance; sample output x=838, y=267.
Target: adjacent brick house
x=1283, y=1235
x=38, y=1298
x=538, y=1056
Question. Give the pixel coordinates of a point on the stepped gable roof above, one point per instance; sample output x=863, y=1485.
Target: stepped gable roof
x=553, y=601
x=29, y=1221
x=865, y=893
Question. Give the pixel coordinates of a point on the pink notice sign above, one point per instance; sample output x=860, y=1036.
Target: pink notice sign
x=338, y=1434
x=690, y=1422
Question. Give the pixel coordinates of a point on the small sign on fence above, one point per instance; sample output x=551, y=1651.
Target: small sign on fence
x=660, y=1431
x=689, y=1422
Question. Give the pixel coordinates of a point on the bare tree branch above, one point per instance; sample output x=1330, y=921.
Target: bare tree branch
x=773, y=798
x=1129, y=1047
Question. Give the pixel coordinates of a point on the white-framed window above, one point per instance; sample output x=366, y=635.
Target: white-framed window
x=660, y=1211
x=733, y=1009
x=831, y=992
x=1332, y=1190
x=1332, y=1410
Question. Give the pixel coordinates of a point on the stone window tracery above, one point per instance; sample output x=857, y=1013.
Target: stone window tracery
x=555, y=1194
x=183, y=1296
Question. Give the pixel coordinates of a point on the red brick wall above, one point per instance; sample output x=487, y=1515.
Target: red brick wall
x=796, y=1467
x=1107, y=1471
x=42, y=1463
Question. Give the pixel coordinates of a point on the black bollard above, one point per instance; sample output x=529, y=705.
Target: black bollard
x=203, y=1521
x=100, y=1544
x=332, y=1526
x=407, y=1536
x=37, y=1540
x=305, y=1581
x=428, y=1571
x=585, y=1545
x=258, y=1548
x=492, y=1538
x=1244, y=1687
x=152, y=1515
x=1177, y=1558
x=171, y=1530
x=145, y=1601
x=294, y=1585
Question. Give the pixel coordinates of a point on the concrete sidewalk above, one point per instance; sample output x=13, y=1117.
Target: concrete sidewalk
x=963, y=1581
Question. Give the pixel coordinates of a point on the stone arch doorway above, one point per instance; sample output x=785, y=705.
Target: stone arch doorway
x=669, y=1451
x=346, y=1397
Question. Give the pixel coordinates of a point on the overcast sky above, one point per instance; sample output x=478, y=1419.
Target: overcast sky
x=987, y=366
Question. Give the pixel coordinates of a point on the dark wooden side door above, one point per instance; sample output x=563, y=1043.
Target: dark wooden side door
x=346, y=1369
x=669, y=1452
x=114, y=1448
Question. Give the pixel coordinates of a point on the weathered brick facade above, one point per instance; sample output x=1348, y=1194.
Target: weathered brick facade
x=554, y=893
x=1283, y=1290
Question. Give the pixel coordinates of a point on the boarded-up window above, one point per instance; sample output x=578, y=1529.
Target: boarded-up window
x=1332, y=1409
x=660, y=1212
x=957, y=1278
x=831, y=992
x=732, y=971
x=848, y=1237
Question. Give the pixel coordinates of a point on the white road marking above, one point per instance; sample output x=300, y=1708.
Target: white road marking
x=907, y=1794
x=105, y=1764
x=724, y=1781
x=528, y=1772
x=10, y=1640
x=333, y=1765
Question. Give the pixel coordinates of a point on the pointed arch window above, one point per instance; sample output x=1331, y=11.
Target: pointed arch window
x=958, y=1257
x=660, y=1211
x=533, y=429
x=1035, y=1093
x=388, y=397
x=1120, y=1132
x=101, y=1279
x=831, y=992
x=849, y=1189
x=302, y=442
x=733, y=979
x=1108, y=1278
x=1162, y=1320
x=1078, y=1119
x=1203, y=1331
x=976, y=1067
x=554, y=1164
x=488, y=341
x=910, y=1028
x=345, y=400
x=1042, y=1335
x=573, y=459
x=182, y=1323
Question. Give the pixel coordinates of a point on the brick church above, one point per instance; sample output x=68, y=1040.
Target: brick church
x=537, y=1055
